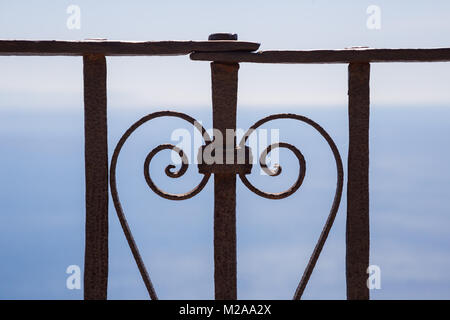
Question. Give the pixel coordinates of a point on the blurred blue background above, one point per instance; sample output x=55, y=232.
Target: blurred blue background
x=42, y=169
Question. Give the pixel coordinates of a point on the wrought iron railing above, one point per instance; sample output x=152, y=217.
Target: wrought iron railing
x=225, y=54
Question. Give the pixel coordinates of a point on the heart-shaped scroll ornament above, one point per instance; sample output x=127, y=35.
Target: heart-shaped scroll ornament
x=241, y=171
x=302, y=169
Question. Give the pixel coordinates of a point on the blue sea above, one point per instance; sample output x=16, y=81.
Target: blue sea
x=42, y=207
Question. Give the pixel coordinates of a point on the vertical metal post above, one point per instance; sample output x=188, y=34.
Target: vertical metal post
x=357, y=237
x=224, y=78
x=96, y=170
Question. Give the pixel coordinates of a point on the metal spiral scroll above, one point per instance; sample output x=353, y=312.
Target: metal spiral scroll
x=169, y=172
x=338, y=193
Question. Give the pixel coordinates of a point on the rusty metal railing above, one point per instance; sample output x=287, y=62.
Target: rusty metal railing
x=225, y=54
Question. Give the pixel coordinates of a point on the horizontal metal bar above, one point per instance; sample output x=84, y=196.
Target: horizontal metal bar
x=356, y=54
x=118, y=48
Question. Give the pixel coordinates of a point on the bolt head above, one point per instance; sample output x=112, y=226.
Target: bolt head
x=223, y=36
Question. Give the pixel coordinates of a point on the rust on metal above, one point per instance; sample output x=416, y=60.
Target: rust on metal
x=223, y=36
x=329, y=56
x=357, y=237
x=242, y=160
x=96, y=170
x=225, y=219
x=225, y=52
x=169, y=172
x=119, y=48
x=224, y=79
x=302, y=169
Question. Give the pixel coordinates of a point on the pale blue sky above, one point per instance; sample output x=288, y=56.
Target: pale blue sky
x=176, y=81
x=41, y=140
